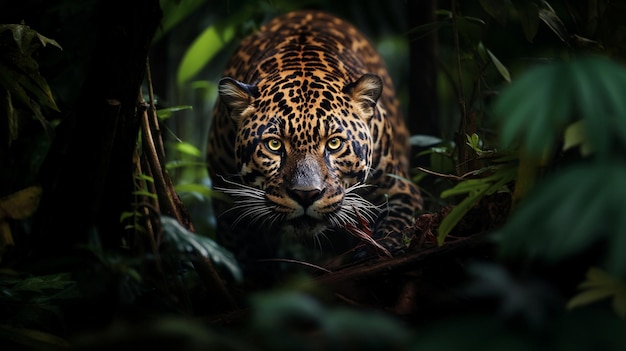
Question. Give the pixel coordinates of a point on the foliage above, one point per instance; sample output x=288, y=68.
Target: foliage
x=293, y=320
x=18, y=206
x=585, y=88
x=21, y=85
x=540, y=118
x=203, y=49
x=475, y=189
x=598, y=286
x=188, y=242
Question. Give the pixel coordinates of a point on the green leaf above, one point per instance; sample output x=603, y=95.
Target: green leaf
x=129, y=214
x=474, y=142
x=19, y=73
x=526, y=106
x=424, y=140
x=457, y=213
x=475, y=189
x=535, y=115
x=549, y=17
x=496, y=9
x=598, y=286
x=166, y=113
x=43, y=283
x=145, y=193
x=529, y=18
x=145, y=177
x=576, y=135
x=504, y=72
x=23, y=36
x=590, y=296
x=569, y=211
x=466, y=187
x=195, y=188
x=188, y=149
x=202, y=50
x=187, y=242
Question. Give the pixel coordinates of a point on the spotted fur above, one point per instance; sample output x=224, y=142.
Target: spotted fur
x=306, y=134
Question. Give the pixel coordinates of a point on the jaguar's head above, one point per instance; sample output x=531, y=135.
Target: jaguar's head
x=303, y=149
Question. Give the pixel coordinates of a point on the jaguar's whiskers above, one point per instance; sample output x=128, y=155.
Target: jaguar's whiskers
x=251, y=206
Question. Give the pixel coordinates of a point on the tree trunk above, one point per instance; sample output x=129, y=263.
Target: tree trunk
x=423, y=114
x=87, y=176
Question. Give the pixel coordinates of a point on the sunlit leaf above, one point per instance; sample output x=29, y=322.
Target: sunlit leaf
x=188, y=149
x=145, y=193
x=475, y=189
x=576, y=136
x=21, y=204
x=144, y=177
x=474, y=142
x=202, y=50
x=166, y=113
x=195, y=188
x=188, y=242
x=182, y=163
x=598, y=286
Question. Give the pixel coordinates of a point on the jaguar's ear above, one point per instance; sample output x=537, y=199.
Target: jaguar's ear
x=237, y=96
x=366, y=91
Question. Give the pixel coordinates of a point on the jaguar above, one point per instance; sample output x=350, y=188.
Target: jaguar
x=308, y=140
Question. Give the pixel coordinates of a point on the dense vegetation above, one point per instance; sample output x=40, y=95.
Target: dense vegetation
x=518, y=116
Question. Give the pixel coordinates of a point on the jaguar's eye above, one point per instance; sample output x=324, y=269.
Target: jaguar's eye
x=274, y=144
x=333, y=144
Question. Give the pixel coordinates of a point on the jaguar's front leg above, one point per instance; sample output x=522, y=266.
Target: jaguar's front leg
x=401, y=200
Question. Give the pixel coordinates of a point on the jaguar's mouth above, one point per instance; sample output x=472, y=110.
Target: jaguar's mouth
x=304, y=226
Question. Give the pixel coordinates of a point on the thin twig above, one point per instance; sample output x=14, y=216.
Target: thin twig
x=303, y=263
x=451, y=176
x=457, y=47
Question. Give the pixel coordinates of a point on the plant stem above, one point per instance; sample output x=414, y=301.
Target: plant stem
x=462, y=154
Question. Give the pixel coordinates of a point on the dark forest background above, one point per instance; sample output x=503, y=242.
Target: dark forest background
x=517, y=111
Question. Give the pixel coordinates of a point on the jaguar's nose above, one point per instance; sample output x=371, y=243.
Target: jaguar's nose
x=305, y=197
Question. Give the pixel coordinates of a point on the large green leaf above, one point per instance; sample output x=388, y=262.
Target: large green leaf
x=571, y=210
x=186, y=241
x=536, y=108
x=203, y=49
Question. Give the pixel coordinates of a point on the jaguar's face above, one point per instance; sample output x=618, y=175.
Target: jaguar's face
x=302, y=149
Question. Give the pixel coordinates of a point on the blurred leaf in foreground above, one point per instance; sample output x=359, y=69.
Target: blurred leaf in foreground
x=574, y=208
x=600, y=286
x=537, y=107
